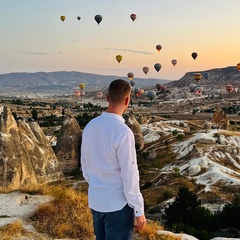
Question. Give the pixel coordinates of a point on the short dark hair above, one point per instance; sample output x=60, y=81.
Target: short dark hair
x=117, y=90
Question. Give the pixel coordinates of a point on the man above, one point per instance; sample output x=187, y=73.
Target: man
x=109, y=165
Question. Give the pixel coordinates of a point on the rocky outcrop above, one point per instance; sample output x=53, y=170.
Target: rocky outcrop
x=25, y=154
x=135, y=127
x=220, y=119
x=142, y=119
x=68, y=144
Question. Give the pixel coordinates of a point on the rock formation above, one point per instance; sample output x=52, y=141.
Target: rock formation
x=135, y=127
x=142, y=119
x=25, y=154
x=68, y=144
x=220, y=119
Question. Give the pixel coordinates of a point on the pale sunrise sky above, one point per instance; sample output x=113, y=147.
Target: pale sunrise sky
x=33, y=38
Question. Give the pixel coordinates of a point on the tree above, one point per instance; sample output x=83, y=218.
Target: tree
x=181, y=209
x=186, y=213
x=230, y=215
x=34, y=114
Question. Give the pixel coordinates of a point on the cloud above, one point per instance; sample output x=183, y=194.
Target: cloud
x=36, y=53
x=129, y=50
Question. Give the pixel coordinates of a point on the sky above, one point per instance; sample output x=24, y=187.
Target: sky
x=33, y=38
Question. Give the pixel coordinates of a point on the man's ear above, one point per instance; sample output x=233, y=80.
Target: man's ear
x=107, y=98
x=127, y=100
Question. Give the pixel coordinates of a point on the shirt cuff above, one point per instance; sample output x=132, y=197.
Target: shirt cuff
x=139, y=212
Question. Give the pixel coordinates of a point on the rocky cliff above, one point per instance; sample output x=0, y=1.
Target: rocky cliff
x=134, y=125
x=68, y=143
x=25, y=154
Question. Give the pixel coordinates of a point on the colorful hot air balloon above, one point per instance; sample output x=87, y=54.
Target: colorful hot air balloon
x=229, y=88
x=206, y=75
x=77, y=94
x=145, y=70
x=198, y=89
x=98, y=18
x=158, y=86
x=157, y=66
x=174, y=62
x=197, y=77
x=133, y=16
x=163, y=88
x=78, y=18
x=130, y=75
x=158, y=47
x=194, y=55
x=119, y=58
x=238, y=66
x=82, y=86
x=141, y=91
x=63, y=18
x=99, y=95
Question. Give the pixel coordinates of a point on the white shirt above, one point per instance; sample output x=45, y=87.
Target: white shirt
x=109, y=165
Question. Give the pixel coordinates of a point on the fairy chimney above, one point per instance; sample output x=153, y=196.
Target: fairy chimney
x=220, y=118
x=135, y=127
x=68, y=143
x=25, y=154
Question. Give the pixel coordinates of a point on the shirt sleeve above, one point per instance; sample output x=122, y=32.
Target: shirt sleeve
x=126, y=155
x=83, y=161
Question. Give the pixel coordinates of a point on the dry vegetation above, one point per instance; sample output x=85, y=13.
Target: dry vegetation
x=68, y=216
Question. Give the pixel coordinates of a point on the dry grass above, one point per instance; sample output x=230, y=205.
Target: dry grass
x=68, y=216
x=149, y=232
x=14, y=230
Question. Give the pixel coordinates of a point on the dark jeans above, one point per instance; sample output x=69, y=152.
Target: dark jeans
x=116, y=225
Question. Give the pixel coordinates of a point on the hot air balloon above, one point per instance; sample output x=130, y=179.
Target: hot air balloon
x=82, y=93
x=157, y=66
x=163, y=88
x=63, y=18
x=199, y=89
x=197, y=77
x=133, y=16
x=158, y=86
x=141, y=91
x=174, y=62
x=82, y=86
x=145, y=70
x=229, y=88
x=99, y=95
x=151, y=94
x=158, y=47
x=137, y=92
x=119, y=58
x=77, y=94
x=192, y=87
x=194, y=55
x=78, y=18
x=132, y=83
x=98, y=18
x=206, y=75
x=238, y=66
x=130, y=75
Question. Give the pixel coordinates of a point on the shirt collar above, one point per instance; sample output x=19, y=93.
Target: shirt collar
x=113, y=115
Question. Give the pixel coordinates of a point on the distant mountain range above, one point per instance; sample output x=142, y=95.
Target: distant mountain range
x=62, y=82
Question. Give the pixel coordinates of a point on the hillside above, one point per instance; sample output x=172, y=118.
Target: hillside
x=218, y=78
x=61, y=82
